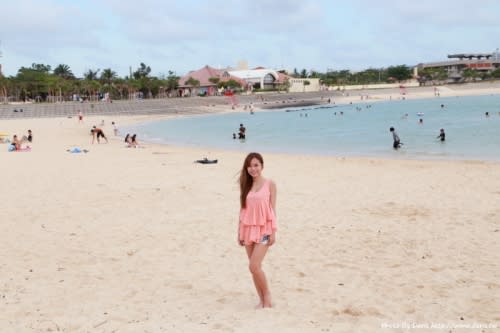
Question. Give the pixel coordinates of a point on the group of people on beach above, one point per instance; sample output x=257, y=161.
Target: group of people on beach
x=16, y=144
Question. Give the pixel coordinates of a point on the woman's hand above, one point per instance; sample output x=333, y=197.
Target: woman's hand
x=272, y=239
x=240, y=241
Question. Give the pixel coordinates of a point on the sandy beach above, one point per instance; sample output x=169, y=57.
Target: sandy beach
x=144, y=240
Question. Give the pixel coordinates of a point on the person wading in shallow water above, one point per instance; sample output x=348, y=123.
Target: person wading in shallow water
x=395, y=137
x=441, y=135
x=242, y=132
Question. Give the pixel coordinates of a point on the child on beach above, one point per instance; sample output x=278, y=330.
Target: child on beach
x=115, y=128
x=257, y=222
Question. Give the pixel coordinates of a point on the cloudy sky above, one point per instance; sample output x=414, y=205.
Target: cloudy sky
x=188, y=34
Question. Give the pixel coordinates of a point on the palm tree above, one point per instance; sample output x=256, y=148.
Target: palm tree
x=91, y=87
x=3, y=89
x=108, y=75
x=91, y=74
x=63, y=71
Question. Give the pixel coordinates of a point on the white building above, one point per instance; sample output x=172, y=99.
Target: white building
x=301, y=85
x=258, y=78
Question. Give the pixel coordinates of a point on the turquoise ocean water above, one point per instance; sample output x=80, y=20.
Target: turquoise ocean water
x=362, y=130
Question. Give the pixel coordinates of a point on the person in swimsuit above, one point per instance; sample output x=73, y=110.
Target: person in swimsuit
x=257, y=222
x=134, y=142
x=441, y=135
x=97, y=132
x=15, y=144
x=242, y=132
x=395, y=137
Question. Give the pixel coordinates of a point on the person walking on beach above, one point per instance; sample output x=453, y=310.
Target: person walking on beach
x=115, y=128
x=395, y=137
x=441, y=135
x=80, y=116
x=257, y=223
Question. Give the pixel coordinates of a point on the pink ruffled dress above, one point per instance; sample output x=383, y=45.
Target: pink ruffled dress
x=257, y=219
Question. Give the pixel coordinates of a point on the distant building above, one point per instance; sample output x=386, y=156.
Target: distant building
x=259, y=78
x=481, y=62
x=208, y=78
x=204, y=81
x=303, y=85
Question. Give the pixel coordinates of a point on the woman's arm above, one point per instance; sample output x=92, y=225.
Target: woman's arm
x=272, y=189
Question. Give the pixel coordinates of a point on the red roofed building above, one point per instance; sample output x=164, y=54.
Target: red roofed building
x=203, y=75
x=208, y=78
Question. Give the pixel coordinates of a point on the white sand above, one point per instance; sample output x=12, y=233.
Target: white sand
x=144, y=240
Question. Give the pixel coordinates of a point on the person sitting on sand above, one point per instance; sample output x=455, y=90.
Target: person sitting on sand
x=134, y=141
x=15, y=144
x=97, y=132
x=29, y=137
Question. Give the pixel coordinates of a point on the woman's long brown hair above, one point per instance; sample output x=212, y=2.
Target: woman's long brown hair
x=246, y=181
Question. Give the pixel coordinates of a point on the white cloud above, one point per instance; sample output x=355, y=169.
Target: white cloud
x=189, y=34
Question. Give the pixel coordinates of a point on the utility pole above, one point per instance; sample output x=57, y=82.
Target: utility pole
x=0, y=57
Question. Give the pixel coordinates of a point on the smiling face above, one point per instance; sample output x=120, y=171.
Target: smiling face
x=254, y=168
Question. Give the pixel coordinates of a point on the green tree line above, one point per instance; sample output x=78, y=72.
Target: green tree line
x=40, y=83
x=367, y=76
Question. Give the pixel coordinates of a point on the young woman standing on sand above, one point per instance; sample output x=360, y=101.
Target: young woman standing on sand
x=257, y=224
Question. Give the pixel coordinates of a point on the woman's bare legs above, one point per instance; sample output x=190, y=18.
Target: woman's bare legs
x=256, y=254
x=249, y=249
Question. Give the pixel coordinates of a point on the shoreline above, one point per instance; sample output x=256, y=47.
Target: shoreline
x=366, y=96
x=345, y=101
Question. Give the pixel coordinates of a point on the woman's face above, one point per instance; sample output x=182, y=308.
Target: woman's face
x=255, y=168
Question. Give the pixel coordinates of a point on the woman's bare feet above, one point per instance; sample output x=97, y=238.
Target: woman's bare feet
x=266, y=303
